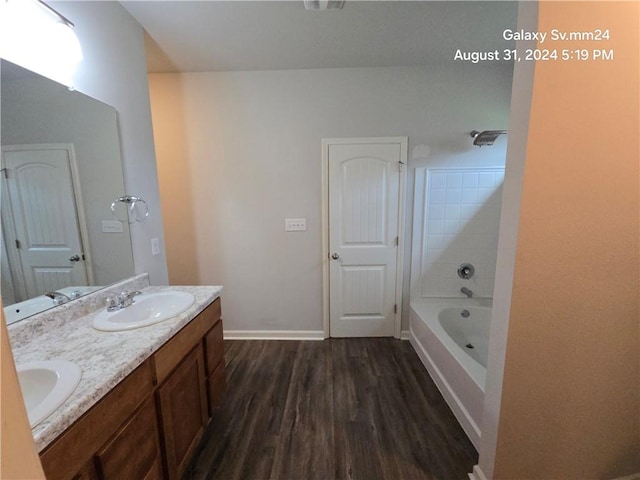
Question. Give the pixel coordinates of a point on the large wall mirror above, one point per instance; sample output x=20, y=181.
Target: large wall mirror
x=61, y=170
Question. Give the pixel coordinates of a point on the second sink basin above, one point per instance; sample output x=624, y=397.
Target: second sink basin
x=146, y=309
x=46, y=385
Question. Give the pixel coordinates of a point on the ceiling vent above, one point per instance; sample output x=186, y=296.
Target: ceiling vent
x=321, y=5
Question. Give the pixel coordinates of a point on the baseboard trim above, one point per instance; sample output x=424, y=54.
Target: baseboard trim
x=273, y=335
x=286, y=335
x=477, y=473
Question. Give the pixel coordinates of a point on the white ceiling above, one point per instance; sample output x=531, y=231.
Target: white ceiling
x=200, y=36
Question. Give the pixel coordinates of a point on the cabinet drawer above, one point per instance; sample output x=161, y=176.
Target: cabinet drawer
x=69, y=453
x=133, y=452
x=168, y=357
x=214, y=347
x=216, y=386
x=183, y=412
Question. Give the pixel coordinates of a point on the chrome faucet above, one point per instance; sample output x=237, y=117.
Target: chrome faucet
x=467, y=292
x=58, y=297
x=123, y=300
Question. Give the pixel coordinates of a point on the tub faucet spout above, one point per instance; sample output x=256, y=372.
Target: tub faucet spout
x=467, y=292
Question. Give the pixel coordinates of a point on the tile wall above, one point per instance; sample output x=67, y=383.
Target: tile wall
x=457, y=215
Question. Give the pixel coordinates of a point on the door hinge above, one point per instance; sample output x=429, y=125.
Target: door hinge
x=5, y=172
x=397, y=241
x=18, y=244
x=395, y=308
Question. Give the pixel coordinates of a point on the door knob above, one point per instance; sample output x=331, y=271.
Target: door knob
x=335, y=256
x=75, y=258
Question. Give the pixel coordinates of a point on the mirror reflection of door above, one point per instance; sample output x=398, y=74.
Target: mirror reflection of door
x=42, y=235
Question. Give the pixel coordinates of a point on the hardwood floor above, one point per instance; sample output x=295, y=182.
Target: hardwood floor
x=333, y=409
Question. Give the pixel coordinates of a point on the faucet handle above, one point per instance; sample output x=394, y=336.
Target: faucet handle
x=124, y=296
x=466, y=271
x=110, y=302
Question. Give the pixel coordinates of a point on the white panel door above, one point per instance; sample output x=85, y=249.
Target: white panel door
x=41, y=194
x=364, y=186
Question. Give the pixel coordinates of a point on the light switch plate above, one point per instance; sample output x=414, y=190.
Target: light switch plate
x=295, y=224
x=155, y=246
x=112, y=226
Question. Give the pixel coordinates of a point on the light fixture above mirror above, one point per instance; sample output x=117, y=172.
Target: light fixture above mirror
x=323, y=5
x=35, y=36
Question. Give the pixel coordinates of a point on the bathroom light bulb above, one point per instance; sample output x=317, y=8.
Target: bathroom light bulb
x=68, y=53
x=32, y=37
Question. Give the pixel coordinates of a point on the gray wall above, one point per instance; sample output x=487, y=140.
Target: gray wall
x=114, y=71
x=239, y=152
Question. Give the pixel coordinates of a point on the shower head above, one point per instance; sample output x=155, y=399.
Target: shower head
x=486, y=137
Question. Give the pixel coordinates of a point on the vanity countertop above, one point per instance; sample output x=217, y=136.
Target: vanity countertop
x=105, y=358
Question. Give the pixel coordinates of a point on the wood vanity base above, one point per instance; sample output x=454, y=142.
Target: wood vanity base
x=149, y=425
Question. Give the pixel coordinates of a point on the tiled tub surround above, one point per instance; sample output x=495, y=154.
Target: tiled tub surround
x=105, y=358
x=456, y=221
x=457, y=215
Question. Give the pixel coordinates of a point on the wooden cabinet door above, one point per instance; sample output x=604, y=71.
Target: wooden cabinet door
x=67, y=456
x=183, y=411
x=134, y=451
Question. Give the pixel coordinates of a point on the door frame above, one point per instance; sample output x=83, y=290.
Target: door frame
x=15, y=263
x=402, y=201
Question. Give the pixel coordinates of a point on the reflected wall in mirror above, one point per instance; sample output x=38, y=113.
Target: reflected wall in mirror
x=62, y=170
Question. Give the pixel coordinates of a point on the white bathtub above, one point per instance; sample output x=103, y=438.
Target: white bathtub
x=454, y=350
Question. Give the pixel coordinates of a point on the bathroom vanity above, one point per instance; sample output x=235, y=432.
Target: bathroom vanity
x=145, y=398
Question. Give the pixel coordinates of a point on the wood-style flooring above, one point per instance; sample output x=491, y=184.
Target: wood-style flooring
x=334, y=409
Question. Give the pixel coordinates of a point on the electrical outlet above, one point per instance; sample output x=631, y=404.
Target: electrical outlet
x=112, y=226
x=155, y=246
x=295, y=224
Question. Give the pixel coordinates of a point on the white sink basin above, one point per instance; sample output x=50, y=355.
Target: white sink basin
x=146, y=309
x=46, y=385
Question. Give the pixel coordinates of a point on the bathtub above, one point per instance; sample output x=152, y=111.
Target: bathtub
x=454, y=349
